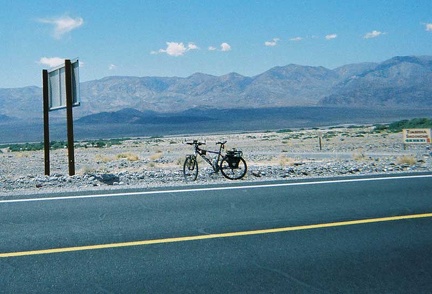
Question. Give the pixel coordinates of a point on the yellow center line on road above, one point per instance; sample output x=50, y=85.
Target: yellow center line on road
x=214, y=236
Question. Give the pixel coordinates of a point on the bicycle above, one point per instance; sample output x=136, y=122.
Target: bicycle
x=231, y=164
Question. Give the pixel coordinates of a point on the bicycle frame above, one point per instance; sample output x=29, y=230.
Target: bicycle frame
x=231, y=164
x=203, y=152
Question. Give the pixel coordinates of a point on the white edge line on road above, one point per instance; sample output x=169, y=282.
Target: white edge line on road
x=214, y=189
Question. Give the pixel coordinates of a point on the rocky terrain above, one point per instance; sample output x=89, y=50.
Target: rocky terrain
x=157, y=162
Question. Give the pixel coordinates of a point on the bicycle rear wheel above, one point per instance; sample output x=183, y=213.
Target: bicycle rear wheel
x=233, y=171
x=190, y=168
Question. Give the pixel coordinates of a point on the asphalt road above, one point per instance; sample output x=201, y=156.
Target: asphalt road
x=357, y=235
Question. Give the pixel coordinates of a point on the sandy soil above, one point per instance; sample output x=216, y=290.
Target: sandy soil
x=269, y=148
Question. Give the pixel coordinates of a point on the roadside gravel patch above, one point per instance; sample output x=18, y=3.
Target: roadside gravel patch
x=157, y=162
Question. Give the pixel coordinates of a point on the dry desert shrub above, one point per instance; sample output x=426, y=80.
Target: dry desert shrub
x=359, y=155
x=128, y=156
x=406, y=159
x=156, y=156
x=286, y=161
x=103, y=158
x=87, y=170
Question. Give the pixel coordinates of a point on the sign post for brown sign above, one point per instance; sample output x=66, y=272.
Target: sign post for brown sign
x=61, y=90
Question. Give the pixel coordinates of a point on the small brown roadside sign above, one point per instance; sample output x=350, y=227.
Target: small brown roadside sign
x=416, y=136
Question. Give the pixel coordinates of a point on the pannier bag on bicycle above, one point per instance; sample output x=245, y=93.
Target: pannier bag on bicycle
x=231, y=164
x=234, y=158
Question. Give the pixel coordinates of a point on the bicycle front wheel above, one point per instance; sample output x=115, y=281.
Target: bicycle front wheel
x=190, y=168
x=233, y=170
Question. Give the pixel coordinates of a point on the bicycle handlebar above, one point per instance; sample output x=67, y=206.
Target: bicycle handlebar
x=195, y=143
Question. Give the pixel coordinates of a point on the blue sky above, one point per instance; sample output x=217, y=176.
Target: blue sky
x=179, y=38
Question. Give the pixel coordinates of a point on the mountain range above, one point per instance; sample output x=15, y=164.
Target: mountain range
x=400, y=82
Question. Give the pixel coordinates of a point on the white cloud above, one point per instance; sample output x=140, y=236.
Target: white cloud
x=52, y=61
x=373, y=34
x=63, y=25
x=179, y=49
x=429, y=27
x=296, y=39
x=272, y=43
x=192, y=46
x=225, y=47
x=176, y=49
x=112, y=67
x=331, y=37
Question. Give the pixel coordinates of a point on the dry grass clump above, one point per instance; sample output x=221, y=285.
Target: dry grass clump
x=358, y=156
x=406, y=159
x=128, y=156
x=87, y=170
x=103, y=158
x=156, y=156
x=286, y=161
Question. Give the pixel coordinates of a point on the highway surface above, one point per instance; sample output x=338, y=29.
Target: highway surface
x=350, y=235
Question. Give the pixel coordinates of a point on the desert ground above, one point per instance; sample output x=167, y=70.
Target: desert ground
x=270, y=155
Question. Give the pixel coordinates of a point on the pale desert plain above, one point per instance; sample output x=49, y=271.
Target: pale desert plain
x=158, y=161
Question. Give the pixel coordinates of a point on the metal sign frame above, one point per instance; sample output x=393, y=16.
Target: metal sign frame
x=62, y=88
x=57, y=86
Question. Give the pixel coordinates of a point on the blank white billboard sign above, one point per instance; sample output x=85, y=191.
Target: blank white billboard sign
x=57, y=86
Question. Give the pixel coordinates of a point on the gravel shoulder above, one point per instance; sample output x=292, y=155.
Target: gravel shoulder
x=157, y=162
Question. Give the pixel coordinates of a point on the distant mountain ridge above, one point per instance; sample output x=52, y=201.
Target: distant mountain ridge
x=400, y=81
x=133, y=116
x=403, y=81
